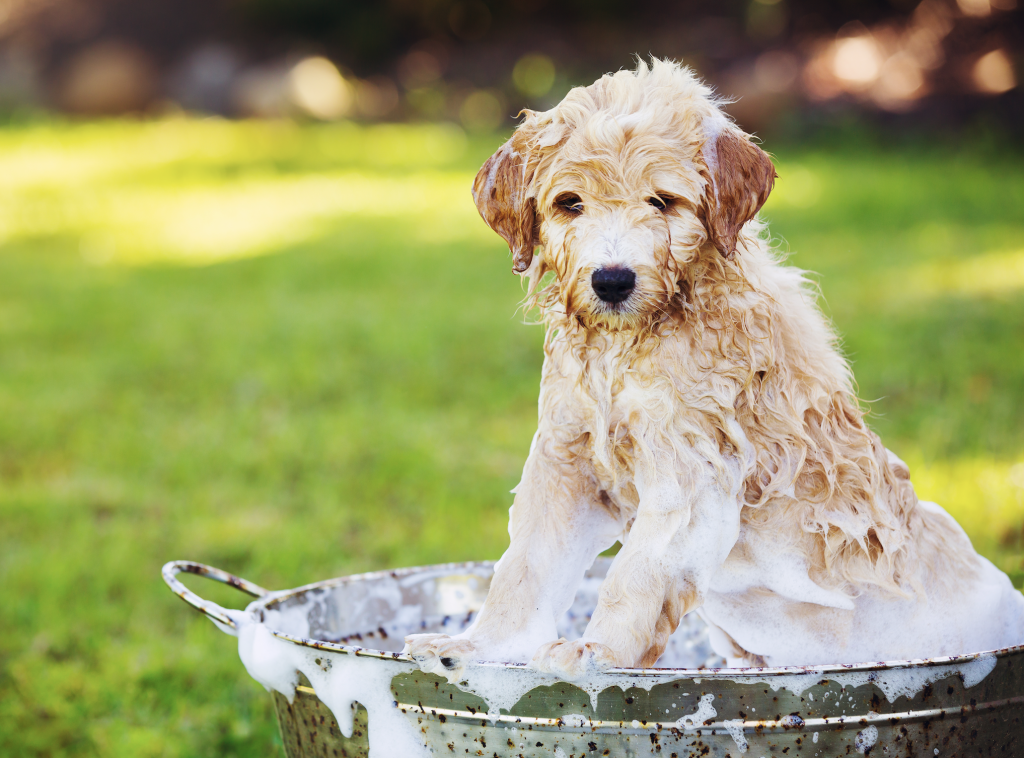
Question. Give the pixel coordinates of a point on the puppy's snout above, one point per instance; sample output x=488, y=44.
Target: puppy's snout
x=613, y=284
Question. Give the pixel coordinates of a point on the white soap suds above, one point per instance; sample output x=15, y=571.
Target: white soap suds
x=501, y=686
x=705, y=712
x=341, y=680
x=274, y=663
x=908, y=682
x=735, y=729
x=597, y=683
x=894, y=683
x=865, y=739
x=974, y=672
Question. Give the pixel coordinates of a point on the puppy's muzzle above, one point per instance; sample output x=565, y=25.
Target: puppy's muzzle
x=613, y=284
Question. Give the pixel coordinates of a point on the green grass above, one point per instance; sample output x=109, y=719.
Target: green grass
x=293, y=353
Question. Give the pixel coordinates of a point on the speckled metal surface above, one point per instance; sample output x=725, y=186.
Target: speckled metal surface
x=757, y=712
x=308, y=728
x=942, y=720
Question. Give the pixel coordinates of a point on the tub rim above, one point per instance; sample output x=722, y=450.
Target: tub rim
x=667, y=673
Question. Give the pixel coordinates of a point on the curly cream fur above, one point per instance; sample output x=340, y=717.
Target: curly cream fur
x=756, y=327
x=708, y=421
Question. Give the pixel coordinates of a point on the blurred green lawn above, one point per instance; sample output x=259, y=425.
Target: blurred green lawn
x=293, y=352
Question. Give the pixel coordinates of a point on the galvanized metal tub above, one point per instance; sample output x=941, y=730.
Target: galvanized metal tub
x=968, y=706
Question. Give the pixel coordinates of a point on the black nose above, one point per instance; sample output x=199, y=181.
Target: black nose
x=613, y=285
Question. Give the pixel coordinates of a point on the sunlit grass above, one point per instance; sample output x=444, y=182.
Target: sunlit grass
x=293, y=352
x=197, y=192
x=76, y=155
x=986, y=496
x=986, y=274
x=255, y=215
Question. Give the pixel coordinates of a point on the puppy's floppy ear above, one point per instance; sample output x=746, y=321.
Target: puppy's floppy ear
x=500, y=194
x=742, y=176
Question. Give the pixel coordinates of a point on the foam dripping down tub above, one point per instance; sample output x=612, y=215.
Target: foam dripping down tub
x=329, y=653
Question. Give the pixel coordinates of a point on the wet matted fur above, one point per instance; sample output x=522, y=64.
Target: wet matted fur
x=706, y=420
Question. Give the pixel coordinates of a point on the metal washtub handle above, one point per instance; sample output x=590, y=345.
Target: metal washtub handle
x=222, y=617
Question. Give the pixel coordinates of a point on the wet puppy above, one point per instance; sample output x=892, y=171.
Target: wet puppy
x=694, y=406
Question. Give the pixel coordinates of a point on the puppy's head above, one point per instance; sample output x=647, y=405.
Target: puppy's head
x=619, y=187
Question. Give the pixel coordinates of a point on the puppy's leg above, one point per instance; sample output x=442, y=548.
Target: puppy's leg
x=683, y=533
x=557, y=527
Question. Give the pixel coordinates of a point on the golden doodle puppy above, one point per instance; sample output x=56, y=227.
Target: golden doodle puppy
x=694, y=406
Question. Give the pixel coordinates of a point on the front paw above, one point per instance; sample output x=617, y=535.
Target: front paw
x=573, y=661
x=440, y=654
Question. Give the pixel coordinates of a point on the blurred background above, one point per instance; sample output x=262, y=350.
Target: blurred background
x=249, y=315
x=477, y=63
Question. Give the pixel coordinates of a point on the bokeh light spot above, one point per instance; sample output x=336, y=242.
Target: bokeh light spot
x=974, y=7
x=319, y=90
x=534, y=74
x=858, y=60
x=993, y=73
x=482, y=111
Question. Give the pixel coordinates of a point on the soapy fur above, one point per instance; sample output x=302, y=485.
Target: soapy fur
x=708, y=422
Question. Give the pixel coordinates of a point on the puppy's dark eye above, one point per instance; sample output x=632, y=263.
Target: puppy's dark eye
x=570, y=204
x=660, y=202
